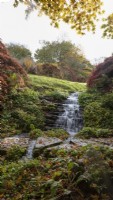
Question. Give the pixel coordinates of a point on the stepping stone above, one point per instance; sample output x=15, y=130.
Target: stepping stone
x=43, y=143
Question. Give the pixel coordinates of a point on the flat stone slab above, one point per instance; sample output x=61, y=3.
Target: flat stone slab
x=65, y=146
x=11, y=141
x=78, y=142
x=45, y=142
x=93, y=141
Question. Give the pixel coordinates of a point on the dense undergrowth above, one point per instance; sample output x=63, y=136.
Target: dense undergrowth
x=97, y=114
x=97, y=102
x=83, y=174
x=24, y=109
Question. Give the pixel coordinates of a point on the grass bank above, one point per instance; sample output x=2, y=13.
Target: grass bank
x=47, y=86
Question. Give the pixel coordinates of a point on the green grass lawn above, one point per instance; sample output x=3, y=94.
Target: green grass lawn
x=47, y=86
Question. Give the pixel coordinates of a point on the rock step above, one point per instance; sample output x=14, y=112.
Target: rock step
x=43, y=143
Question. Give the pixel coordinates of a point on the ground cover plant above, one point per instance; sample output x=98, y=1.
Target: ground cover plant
x=85, y=173
x=97, y=114
x=25, y=109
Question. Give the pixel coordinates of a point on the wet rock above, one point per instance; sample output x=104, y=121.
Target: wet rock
x=47, y=141
x=51, y=109
x=78, y=142
x=65, y=146
x=43, y=143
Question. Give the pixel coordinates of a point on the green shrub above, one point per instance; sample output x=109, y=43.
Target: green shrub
x=23, y=96
x=35, y=133
x=97, y=116
x=27, y=110
x=23, y=119
x=104, y=133
x=87, y=98
x=15, y=152
x=7, y=125
x=107, y=101
x=59, y=133
x=88, y=132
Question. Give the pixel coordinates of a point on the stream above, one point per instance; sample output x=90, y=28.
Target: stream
x=31, y=146
x=71, y=119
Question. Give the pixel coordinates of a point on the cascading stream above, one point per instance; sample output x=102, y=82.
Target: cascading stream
x=29, y=153
x=71, y=119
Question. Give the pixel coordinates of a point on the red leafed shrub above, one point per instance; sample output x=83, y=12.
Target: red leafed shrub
x=11, y=72
x=102, y=76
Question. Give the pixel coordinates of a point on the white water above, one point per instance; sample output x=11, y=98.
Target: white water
x=71, y=119
x=31, y=146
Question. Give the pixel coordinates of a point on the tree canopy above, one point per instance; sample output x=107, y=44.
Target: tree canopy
x=64, y=53
x=22, y=54
x=18, y=51
x=62, y=57
x=81, y=15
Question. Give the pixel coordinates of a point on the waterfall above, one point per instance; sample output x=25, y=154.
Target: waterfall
x=71, y=119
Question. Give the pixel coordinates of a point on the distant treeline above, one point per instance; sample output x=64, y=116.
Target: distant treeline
x=58, y=59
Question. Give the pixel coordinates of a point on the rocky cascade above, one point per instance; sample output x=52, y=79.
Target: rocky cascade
x=52, y=113
x=71, y=119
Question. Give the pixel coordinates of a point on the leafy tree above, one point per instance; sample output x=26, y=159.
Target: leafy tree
x=22, y=54
x=63, y=53
x=69, y=59
x=108, y=27
x=18, y=51
x=28, y=63
x=81, y=15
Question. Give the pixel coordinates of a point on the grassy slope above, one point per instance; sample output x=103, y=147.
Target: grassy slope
x=48, y=86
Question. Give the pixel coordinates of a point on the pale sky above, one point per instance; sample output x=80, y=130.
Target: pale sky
x=14, y=28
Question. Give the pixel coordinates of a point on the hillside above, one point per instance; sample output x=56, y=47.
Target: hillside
x=47, y=86
x=28, y=107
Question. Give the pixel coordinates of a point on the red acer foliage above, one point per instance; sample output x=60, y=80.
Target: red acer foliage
x=102, y=76
x=11, y=72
